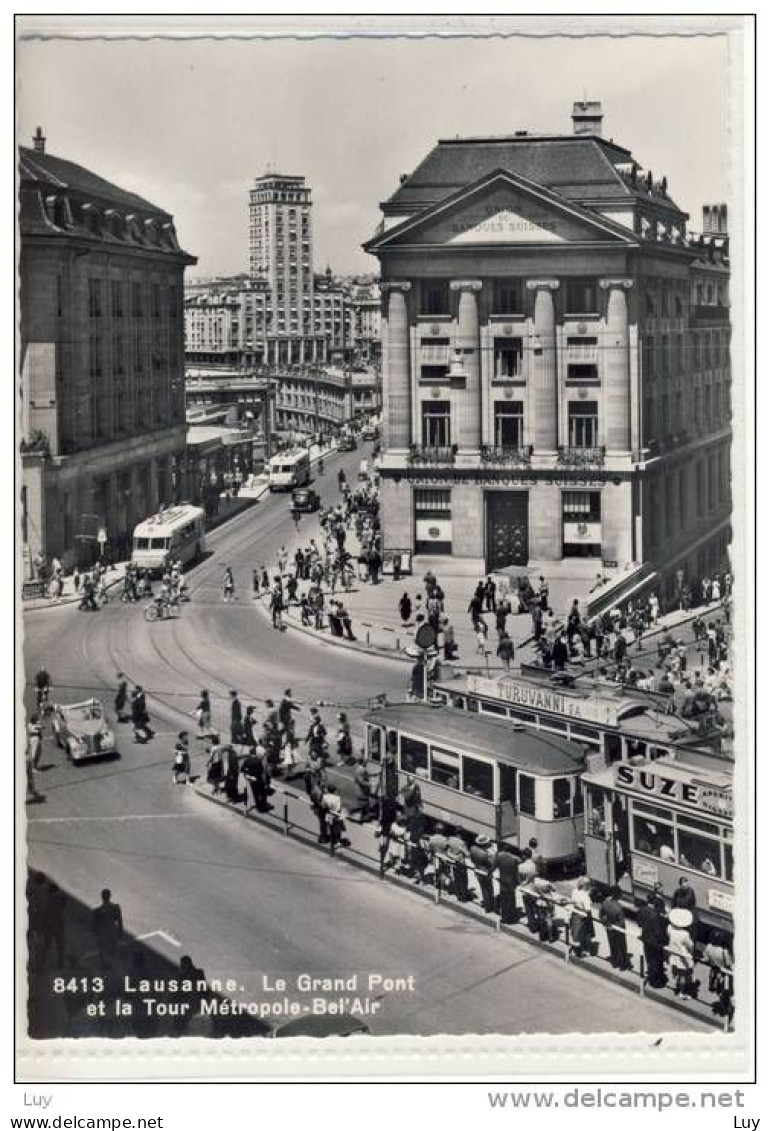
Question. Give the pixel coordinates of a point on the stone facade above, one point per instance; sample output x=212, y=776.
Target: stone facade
x=102, y=349
x=542, y=356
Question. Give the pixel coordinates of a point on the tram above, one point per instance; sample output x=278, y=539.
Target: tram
x=611, y=720
x=654, y=822
x=174, y=534
x=485, y=776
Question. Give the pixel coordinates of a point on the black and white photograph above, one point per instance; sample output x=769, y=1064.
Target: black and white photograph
x=384, y=438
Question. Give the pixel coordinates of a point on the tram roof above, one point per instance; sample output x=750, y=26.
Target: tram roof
x=168, y=519
x=526, y=749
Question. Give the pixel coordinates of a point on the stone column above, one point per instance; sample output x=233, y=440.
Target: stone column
x=544, y=429
x=617, y=376
x=467, y=401
x=397, y=380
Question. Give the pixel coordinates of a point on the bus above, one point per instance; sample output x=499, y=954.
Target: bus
x=611, y=719
x=172, y=535
x=486, y=777
x=288, y=470
x=654, y=822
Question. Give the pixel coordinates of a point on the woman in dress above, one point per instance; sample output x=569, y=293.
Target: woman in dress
x=581, y=924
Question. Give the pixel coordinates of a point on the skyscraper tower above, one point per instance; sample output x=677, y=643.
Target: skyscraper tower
x=281, y=249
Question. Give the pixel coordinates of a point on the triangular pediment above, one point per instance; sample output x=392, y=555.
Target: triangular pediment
x=503, y=209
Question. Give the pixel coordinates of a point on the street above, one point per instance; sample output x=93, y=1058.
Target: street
x=242, y=900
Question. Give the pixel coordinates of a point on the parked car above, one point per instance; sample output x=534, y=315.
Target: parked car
x=347, y=444
x=305, y=499
x=82, y=730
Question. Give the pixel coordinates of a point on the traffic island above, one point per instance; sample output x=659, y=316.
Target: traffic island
x=292, y=815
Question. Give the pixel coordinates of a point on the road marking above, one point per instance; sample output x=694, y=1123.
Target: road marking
x=160, y=934
x=127, y=817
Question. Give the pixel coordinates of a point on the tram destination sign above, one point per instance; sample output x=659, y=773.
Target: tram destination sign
x=593, y=709
x=700, y=795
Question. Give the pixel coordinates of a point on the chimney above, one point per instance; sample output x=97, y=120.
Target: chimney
x=39, y=141
x=715, y=219
x=587, y=118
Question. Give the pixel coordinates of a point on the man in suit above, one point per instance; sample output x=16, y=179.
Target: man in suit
x=654, y=935
x=507, y=865
x=236, y=718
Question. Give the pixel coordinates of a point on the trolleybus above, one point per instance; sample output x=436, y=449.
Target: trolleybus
x=171, y=535
x=288, y=470
x=485, y=776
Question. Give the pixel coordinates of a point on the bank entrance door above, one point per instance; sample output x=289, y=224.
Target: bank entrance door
x=507, y=528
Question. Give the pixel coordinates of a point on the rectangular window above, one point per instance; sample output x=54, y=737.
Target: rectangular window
x=509, y=358
x=509, y=424
x=94, y=354
x=583, y=424
x=527, y=795
x=117, y=299
x=434, y=297
x=414, y=754
x=445, y=767
x=508, y=296
x=95, y=298
x=562, y=798
x=436, y=419
x=581, y=506
x=582, y=371
x=581, y=297
x=137, y=305
x=156, y=300
x=699, y=852
x=432, y=503
x=654, y=838
x=478, y=778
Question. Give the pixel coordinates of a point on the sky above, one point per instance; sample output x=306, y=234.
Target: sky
x=188, y=125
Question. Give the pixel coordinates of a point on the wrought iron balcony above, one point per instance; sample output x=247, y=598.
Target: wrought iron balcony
x=419, y=454
x=505, y=453
x=580, y=457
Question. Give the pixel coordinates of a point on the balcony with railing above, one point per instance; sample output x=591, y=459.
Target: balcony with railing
x=432, y=455
x=505, y=453
x=580, y=457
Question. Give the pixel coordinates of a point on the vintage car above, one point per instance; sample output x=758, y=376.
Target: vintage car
x=347, y=443
x=305, y=499
x=82, y=730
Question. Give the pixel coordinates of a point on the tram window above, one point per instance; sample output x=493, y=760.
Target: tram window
x=494, y=709
x=457, y=701
x=577, y=797
x=657, y=752
x=654, y=839
x=653, y=811
x=585, y=732
x=555, y=724
x=445, y=767
x=478, y=778
x=141, y=543
x=527, y=794
x=699, y=853
x=597, y=826
x=375, y=743
x=508, y=784
x=562, y=796
x=392, y=741
x=683, y=819
x=414, y=754
x=729, y=862
x=523, y=716
x=473, y=706
x=613, y=747
x=159, y=543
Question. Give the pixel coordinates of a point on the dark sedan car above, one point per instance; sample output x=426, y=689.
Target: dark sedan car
x=305, y=500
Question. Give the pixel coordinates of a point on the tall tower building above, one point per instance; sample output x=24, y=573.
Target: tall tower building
x=281, y=249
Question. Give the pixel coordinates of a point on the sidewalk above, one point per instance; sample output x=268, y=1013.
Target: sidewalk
x=292, y=815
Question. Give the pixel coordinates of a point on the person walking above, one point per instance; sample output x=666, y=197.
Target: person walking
x=346, y=620
x=458, y=855
x=140, y=716
x=228, y=585
x=581, y=924
x=283, y=560
x=107, y=924
x=276, y=604
x=203, y=715
x=405, y=609
x=286, y=711
x=121, y=698
x=215, y=769
x=363, y=784
x=612, y=915
x=254, y=770
x=236, y=718
x=34, y=741
x=490, y=591
x=505, y=650
x=181, y=758
x=681, y=951
x=344, y=739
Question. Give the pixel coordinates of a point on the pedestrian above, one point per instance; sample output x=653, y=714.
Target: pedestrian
x=363, y=784
x=76, y=580
x=203, y=714
x=215, y=770
x=612, y=916
x=121, y=698
x=256, y=774
x=505, y=649
x=140, y=716
x=316, y=737
x=228, y=584
x=331, y=803
x=458, y=855
x=542, y=593
x=287, y=708
x=34, y=741
x=482, y=861
x=581, y=923
x=276, y=604
x=107, y=923
x=346, y=620
x=450, y=646
x=405, y=608
x=490, y=590
x=181, y=758
x=681, y=951
x=507, y=865
x=654, y=936
x=249, y=738
x=685, y=899
x=236, y=718
x=481, y=636
x=232, y=773
x=283, y=560
x=255, y=583
x=344, y=739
